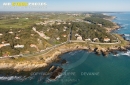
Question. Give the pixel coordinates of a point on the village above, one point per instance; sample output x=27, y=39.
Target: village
x=48, y=33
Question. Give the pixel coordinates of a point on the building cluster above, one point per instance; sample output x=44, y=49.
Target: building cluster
x=106, y=39
x=79, y=37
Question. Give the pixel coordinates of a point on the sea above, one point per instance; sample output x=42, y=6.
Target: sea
x=85, y=68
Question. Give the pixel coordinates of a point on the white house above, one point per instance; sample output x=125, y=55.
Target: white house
x=17, y=37
x=26, y=18
x=34, y=28
x=95, y=39
x=88, y=39
x=19, y=46
x=1, y=34
x=6, y=44
x=58, y=23
x=57, y=38
x=107, y=39
x=69, y=23
x=11, y=32
x=64, y=35
x=64, y=30
x=65, y=27
x=64, y=22
x=76, y=35
x=79, y=38
x=17, y=18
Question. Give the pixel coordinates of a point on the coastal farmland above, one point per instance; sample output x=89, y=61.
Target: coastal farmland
x=41, y=37
x=27, y=33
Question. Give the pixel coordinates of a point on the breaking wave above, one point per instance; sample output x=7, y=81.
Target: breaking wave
x=127, y=53
x=9, y=78
x=127, y=35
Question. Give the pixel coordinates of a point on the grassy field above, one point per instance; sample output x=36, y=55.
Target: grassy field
x=28, y=36
x=24, y=20
x=16, y=23
x=66, y=17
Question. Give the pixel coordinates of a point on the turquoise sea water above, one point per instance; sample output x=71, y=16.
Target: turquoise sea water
x=124, y=20
x=85, y=68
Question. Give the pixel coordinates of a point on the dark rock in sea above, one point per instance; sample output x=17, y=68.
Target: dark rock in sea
x=56, y=72
x=122, y=35
x=57, y=60
x=128, y=47
x=114, y=52
x=122, y=49
x=52, y=68
x=95, y=50
x=63, y=61
x=104, y=53
x=90, y=50
x=98, y=52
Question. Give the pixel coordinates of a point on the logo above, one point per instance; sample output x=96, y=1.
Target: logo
x=24, y=4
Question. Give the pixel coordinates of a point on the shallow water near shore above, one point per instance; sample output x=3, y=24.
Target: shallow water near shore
x=124, y=20
x=94, y=70
x=86, y=68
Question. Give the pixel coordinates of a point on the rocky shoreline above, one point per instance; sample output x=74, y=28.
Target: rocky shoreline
x=115, y=27
x=12, y=65
x=47, y=59
x=40, y=62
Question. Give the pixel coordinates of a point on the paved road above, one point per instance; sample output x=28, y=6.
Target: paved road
x=68, y=40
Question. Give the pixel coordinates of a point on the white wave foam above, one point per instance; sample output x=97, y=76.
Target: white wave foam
x=117, y=55
x=50, y=80
x=9, y=78
x=127, y=35
x=127, y=38
x=121, y=19
x=127, y=53
x=59, y=76
x=74, y=52
x=124, y=26
x=53, y=80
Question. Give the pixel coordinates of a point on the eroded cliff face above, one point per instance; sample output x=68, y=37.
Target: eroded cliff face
x=22, y=66
x=115, y=27
x=39, y=61
x=44, y=60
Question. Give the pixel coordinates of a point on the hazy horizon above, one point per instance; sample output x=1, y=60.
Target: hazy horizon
x=72, y=5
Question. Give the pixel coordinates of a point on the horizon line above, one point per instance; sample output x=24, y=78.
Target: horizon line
x=60, y=11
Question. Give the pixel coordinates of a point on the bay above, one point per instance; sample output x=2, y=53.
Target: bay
x=85, y=68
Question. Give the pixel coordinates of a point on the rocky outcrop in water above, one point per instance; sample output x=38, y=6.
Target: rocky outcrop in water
x=97, y=51
x=52, y=68
x=104, y=52
x=63, y=61
x=56, y=73
x=44, y=60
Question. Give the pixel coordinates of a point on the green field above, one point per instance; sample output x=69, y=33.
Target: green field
x=21, y=25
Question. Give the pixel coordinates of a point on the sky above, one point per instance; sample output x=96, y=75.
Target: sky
x=71, y=5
